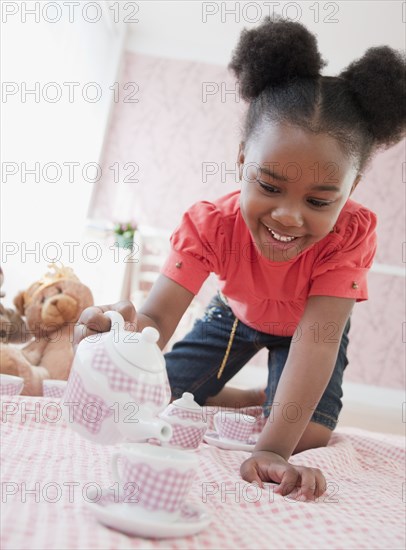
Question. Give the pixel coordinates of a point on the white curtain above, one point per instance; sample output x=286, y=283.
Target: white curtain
x=53, y=137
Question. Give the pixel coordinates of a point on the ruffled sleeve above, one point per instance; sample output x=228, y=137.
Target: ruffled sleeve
x=196, y=247
x=342, y=267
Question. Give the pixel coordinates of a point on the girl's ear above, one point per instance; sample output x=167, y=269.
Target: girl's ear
x=240, y=159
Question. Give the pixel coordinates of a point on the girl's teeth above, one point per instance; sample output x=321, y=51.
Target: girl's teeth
x=281, y=237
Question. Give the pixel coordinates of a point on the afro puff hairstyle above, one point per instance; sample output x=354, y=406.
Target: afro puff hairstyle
x=278, y=66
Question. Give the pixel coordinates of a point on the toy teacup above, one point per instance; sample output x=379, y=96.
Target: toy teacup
x=234, y=426
x=160, y=479
x=10, y=385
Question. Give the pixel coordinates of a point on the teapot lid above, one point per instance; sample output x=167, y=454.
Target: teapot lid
x=187, y=401
x=138, y=348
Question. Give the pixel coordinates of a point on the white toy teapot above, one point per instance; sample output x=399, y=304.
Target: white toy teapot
x=118, y=385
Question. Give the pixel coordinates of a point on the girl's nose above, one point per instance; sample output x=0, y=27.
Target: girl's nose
x=288, y=217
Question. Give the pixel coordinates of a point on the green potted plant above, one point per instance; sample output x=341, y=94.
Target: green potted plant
x=124, y=233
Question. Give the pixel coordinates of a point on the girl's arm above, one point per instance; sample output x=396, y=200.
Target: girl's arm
x=163, y=309
x=166, y=303
x=308, y=369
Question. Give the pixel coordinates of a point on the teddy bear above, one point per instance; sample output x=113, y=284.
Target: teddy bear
x=51, y=307
x=12, y=325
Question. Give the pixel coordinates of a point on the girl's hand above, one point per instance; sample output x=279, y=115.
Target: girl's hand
x=299, y=482
x=92, y=320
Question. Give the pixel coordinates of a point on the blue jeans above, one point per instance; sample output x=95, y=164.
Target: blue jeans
x=193, y=363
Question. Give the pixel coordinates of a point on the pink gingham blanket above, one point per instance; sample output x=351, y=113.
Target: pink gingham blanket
x=47, y=469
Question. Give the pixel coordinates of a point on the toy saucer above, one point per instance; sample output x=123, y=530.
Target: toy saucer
x=123, y=517
x=213, y=438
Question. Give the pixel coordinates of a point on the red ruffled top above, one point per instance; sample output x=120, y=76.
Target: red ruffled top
x=267, y=295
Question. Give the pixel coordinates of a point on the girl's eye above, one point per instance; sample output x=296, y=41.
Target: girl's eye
x=318, y=204
x=273, y=190
x=268, y=188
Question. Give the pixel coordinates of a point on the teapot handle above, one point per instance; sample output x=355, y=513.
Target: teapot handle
x=117, y=323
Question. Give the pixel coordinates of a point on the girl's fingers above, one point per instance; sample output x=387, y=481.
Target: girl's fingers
x=256, y=479
x=313, y=484
x=321, y=483
x=288, y=482
x=249, y=472
x=308, y=484
x=92, y=320
x=296, y=482
x=126, y=309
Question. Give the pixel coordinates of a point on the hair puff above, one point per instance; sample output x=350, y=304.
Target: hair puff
x=377, y=81
x=274, y=53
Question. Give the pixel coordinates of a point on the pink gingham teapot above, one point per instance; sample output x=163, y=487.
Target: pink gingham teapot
x=118, y=385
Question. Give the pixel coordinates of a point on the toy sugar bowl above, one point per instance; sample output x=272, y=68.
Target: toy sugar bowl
x=186, y=417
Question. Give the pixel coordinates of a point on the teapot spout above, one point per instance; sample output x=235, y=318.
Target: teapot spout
x=148, y=429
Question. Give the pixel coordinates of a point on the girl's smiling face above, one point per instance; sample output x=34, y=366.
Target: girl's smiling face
x=294, y=186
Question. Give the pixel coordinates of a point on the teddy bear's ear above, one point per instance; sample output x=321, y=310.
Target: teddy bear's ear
x=19, y=302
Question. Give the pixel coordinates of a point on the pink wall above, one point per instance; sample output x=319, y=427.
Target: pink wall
x=171, y=132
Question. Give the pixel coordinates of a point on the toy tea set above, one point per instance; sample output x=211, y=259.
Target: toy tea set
x=118, y=393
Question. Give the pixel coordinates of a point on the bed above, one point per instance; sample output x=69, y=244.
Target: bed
x=47, y=470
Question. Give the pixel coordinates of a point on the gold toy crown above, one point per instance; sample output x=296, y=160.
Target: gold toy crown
x=59, y=273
